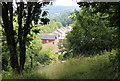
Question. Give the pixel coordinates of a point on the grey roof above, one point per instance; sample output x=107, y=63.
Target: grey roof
x=65, y=28
x=69, y=27
x=49, y=36
x=61, y=31
x=56, y=33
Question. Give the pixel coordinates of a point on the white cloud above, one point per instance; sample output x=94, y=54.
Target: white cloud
x=65, y=3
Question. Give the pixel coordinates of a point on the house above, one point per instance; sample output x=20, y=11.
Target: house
x=53, y=39
x=55, y=36
x=64, y=31
x=69, y=28
x=49, y=38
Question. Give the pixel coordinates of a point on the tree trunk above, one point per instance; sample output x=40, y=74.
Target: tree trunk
x=24, y=37
x=9, y=32
x=20, y=35
x=31, y=61
x=23, y=54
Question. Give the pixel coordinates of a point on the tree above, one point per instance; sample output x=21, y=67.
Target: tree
x=90, y=35
x=63, y=18
x=28, y=15
x=51, y=27
x=112, y=10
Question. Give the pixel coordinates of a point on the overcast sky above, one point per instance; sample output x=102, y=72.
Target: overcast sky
x=60, y=2
x=65, y=3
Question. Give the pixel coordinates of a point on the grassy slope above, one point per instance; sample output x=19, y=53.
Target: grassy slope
x=97, y=67
x=26, y=76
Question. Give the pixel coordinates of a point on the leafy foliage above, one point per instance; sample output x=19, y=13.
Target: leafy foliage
x=90, y=35
x=112, y=14
x=17, y=25
x=65, y=52
x=47, y=56
x=63, y=18
x=50, y=27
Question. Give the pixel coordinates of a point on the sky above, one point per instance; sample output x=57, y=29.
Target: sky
x=60, y=2
x=65, y=3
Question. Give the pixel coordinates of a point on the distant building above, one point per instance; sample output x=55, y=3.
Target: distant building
x=49, y=38
x=55, y=36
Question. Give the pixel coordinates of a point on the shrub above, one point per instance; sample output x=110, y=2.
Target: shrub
x=46, y=55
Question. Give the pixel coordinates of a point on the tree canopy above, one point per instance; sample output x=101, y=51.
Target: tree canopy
x=26, y=16
x=90, y=35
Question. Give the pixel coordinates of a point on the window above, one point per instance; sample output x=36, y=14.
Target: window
x=55, y=37
x=47, y=41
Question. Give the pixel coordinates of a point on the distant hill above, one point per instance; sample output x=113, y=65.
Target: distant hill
x=56, y=10
x=60, y=8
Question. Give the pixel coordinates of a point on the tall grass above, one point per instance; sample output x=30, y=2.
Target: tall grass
x=96, y=67
x=26, y=76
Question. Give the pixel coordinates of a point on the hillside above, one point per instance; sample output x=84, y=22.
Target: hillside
x=57, y=10
x=96, y=67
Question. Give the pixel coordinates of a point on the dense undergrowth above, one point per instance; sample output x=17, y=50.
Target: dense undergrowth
x=94, y=67
x=26, y=76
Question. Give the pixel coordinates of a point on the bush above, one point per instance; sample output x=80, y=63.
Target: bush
x=46, y=55
x=44, y=59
